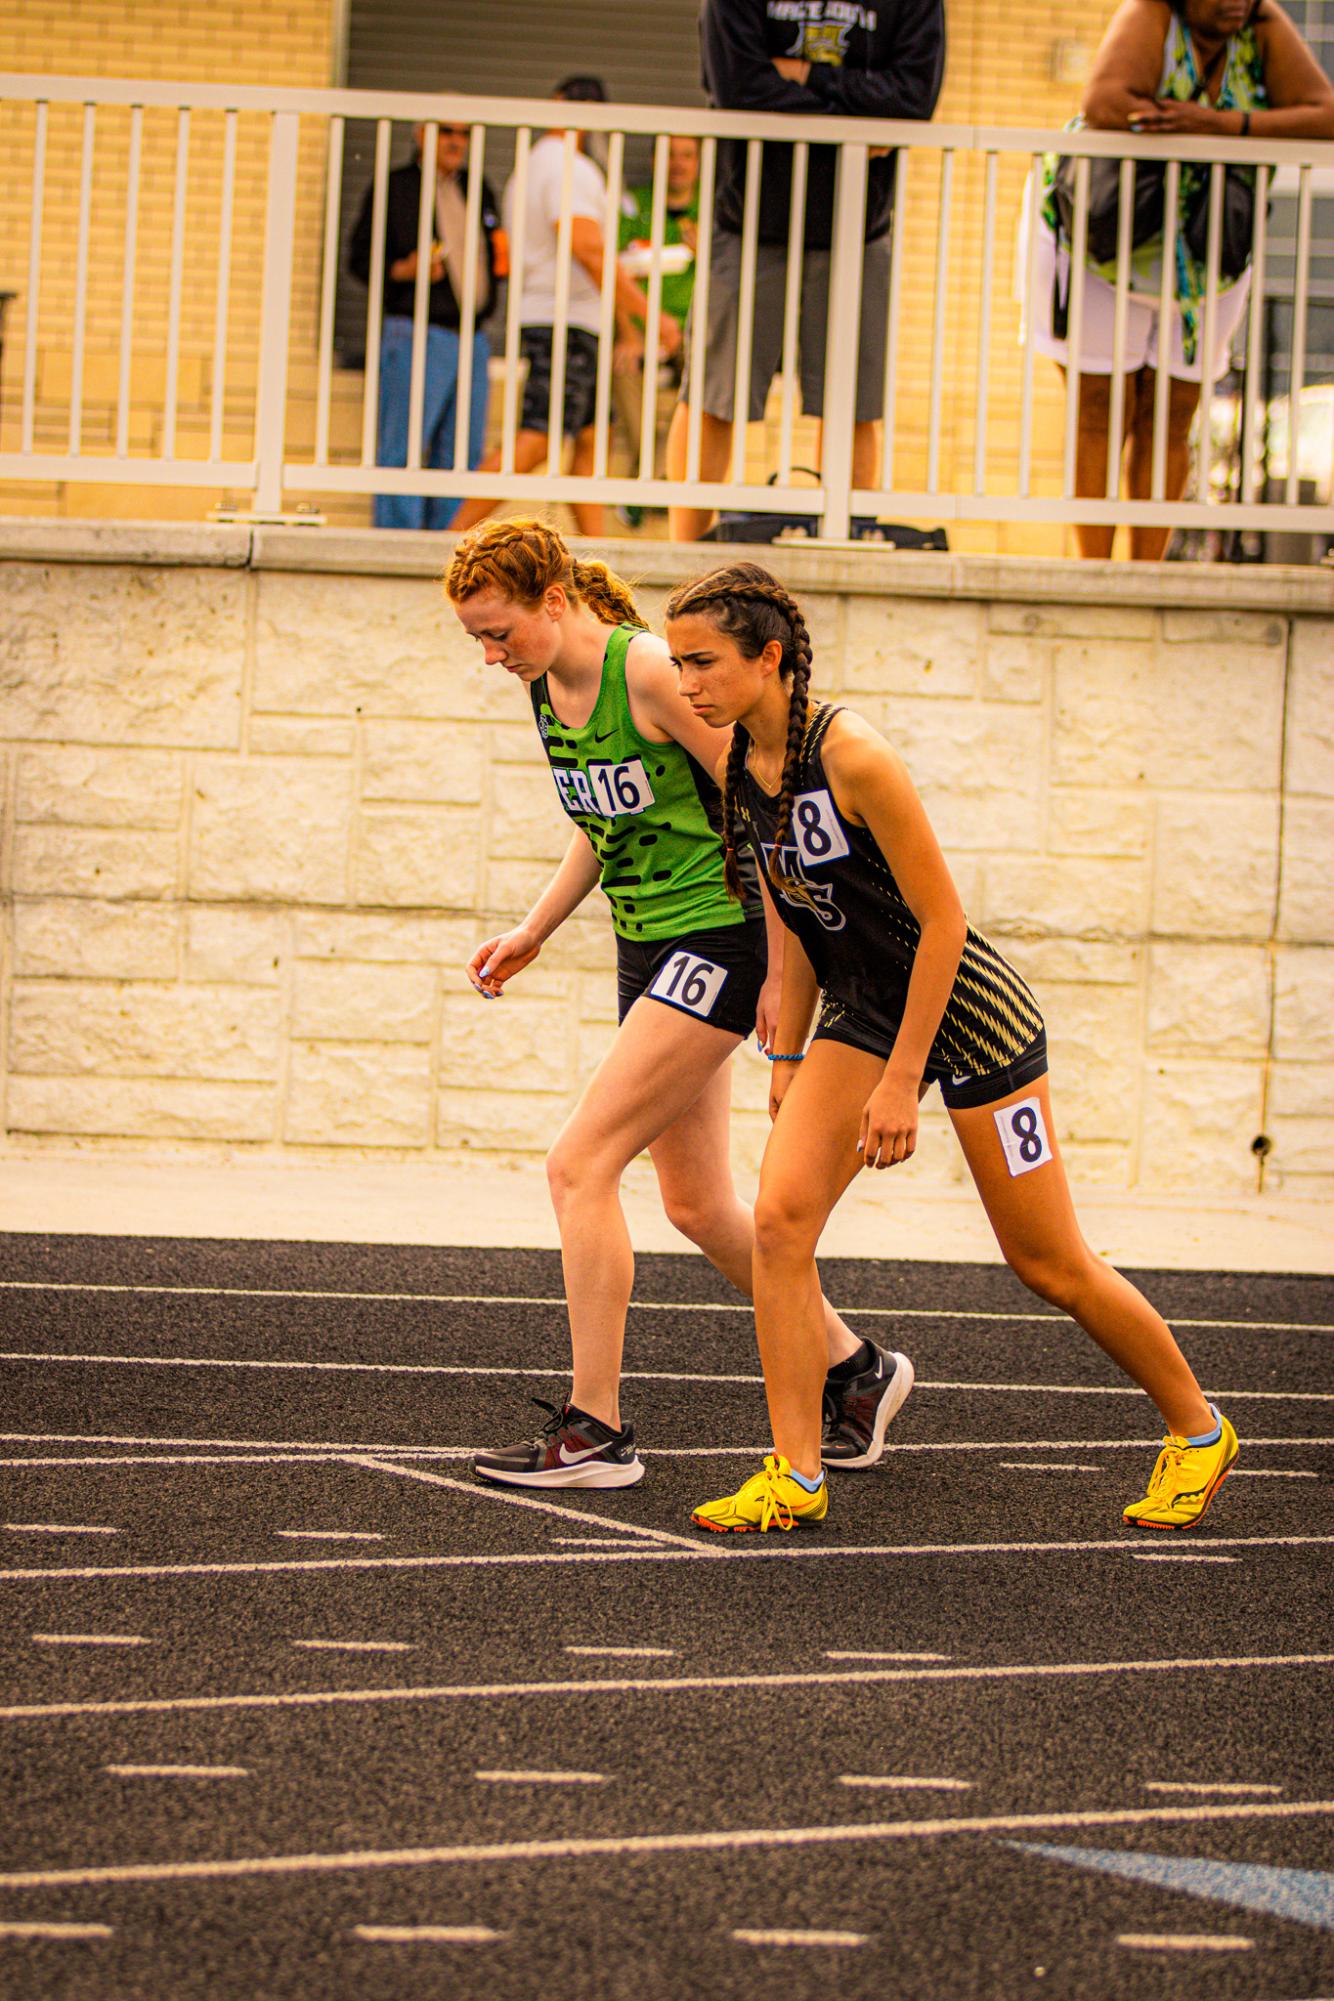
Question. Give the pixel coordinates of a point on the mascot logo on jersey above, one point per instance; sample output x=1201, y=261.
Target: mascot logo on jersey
x=825, y=42
x=788, y=876
x=823, y=27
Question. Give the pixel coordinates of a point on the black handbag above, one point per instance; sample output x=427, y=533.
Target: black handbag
x=1238, y=220
x=1104, y=204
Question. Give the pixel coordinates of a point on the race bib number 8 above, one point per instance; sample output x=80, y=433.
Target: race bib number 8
x=1023, y=1135
x=816, y=830
x=691, y=983
x=616, y=791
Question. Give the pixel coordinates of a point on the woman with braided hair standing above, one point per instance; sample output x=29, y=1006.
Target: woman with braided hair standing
x=909, y=995
x=634, y=770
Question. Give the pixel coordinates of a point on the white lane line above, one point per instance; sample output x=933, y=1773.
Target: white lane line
x=717, y=1840
x=427, y=1934
x=330, y=1535
x=177, y=1771
x=176, y=1459
x=801, y=1938
x=1185, y=1942
x=54, y=1929
x=768, y=1551
x=591, y=1541
x=866, y=1654
x=339, y=1448
x=629, y=1375
x=694, y=1684
x=1178, y=1556
x=542, y=1778
x=636, y=1305
x=901, y=1783
x=1200, y=1786
x=1039, y=1466
x=623, y=1653
x=484, y=1491
x=54, y=1528
x=356, y=1646
x=90, y=1640
x=1268, y=1473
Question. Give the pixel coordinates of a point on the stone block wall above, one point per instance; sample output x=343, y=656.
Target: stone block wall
x=259, y=800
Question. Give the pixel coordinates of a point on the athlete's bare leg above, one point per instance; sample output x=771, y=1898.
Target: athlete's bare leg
x=644, y=1094
x=1036, y=1227
x=809, y=1161
x=693, y=1163
x=655, y=1069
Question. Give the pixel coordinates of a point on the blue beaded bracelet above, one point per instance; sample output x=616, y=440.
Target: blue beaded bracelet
x=800, y=1057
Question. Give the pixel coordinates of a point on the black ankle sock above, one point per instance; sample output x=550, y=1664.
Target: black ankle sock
x=573, y=1411
x=855, y=1365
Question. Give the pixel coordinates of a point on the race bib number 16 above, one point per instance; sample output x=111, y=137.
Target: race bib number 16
x=688, y=982
x=613, y=790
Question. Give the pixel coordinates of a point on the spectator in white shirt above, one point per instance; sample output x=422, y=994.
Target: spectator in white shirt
x=539, y=224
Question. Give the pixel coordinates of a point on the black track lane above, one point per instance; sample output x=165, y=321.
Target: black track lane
x=966, y=1914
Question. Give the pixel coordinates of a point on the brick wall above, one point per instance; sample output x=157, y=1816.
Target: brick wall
x=259, y=800
x=168, y=40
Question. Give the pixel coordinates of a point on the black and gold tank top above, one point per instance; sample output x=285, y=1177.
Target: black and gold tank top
x=832, y=886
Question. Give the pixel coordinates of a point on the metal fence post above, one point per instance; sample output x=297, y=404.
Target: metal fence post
x=842, y=342
x=276, y=312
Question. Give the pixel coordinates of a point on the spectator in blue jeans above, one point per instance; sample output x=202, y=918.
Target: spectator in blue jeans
x=450, y=253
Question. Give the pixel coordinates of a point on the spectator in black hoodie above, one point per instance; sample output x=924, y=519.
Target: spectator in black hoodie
x=450, y=253
x=831, y=58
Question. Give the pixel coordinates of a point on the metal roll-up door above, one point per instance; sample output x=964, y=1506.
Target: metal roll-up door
x=646, y=52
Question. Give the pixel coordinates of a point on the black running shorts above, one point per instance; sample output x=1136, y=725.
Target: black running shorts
x=536, y=344
x=714, y=975
x=961, y=1089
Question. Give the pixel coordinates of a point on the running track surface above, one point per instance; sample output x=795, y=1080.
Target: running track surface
x=292, y=1709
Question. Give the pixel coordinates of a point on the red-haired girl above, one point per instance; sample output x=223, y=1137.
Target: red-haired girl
x=634, y=768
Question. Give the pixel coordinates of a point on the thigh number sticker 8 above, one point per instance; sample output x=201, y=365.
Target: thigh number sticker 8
x=1023, y=1135
x=691, y=983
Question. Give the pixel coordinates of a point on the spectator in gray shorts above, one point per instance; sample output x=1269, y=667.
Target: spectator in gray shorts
x=831, y=58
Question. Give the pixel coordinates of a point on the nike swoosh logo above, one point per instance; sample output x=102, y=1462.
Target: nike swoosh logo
x=604, y=736
x=568, y=1458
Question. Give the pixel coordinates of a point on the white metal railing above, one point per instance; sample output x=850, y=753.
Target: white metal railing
x=978, y=409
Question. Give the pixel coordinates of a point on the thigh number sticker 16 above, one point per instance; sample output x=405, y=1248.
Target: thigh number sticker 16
x=1023, y=1135
x=693, y=984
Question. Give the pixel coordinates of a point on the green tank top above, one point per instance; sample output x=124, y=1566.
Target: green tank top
x=652, y=814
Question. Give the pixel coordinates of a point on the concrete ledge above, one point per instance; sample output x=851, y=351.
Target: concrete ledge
x=133, y=1193
x=160, y=544
x=866, y=568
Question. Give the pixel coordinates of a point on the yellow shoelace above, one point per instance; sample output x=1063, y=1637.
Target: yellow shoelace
x=774, y=1507
x=1169, y=1461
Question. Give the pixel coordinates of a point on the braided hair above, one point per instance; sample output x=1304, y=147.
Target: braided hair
x=522, y=559
x=750, y=606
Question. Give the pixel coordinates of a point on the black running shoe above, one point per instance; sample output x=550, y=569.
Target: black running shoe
x=572, y=1450
x=858, y=1409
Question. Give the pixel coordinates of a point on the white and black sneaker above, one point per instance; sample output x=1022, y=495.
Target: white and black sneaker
x=861, y=1396
x=572, y=1450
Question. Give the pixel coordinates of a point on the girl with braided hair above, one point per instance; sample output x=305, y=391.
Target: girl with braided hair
x=909, y=995
x=634, y=770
